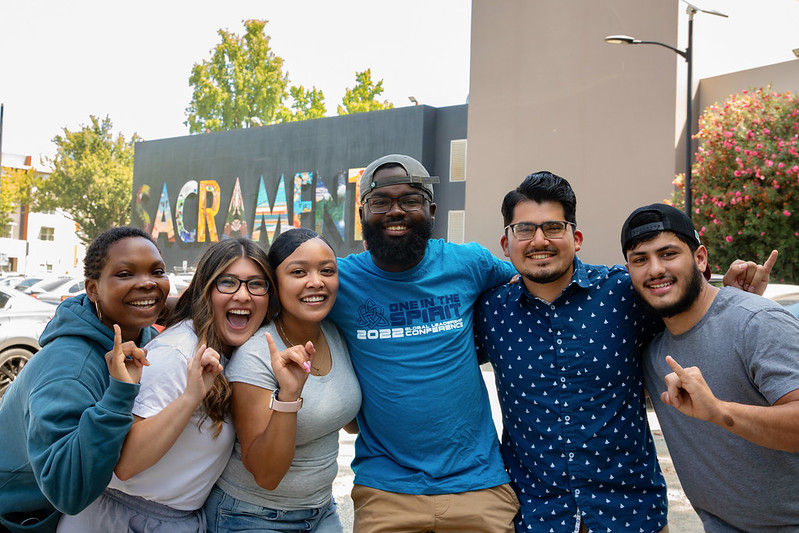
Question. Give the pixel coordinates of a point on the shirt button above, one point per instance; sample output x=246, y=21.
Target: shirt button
x=576, y=492
x=571, y=455
x=559, y=341
x=552, y=307
x=562, y=380
x=567, y=418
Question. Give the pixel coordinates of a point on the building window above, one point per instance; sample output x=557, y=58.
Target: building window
x=457, y=160
x=46, y=234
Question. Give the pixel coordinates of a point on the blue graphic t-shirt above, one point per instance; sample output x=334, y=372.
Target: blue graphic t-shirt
x=569, y=378
x=425, y=421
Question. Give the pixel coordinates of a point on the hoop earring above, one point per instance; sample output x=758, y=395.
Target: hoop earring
x=97, y=308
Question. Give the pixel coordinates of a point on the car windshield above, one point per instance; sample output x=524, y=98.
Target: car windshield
x=52, y=284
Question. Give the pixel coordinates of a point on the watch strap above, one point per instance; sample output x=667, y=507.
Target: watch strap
x=284, y=407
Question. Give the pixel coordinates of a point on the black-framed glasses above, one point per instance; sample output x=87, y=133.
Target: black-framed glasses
x=382, y=204
x=230, y=285
x=552, y=229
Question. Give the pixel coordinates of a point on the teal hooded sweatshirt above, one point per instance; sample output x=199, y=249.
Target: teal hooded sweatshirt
x=63, y=421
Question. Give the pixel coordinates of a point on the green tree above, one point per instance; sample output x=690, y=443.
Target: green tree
x=16, y=189
x=362, y=97
x=243, y=80
x=92, y=178
x=305, y=104
x=746, y=180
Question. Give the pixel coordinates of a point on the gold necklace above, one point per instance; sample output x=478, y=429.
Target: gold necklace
x=292, y=343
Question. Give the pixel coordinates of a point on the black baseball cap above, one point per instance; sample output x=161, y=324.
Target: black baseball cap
x=661, y=217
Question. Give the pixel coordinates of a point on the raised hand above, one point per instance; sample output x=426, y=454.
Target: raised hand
x=291, y=367
x=125, y=360
x=202, y=370
x=687, y=391
x=749, y=276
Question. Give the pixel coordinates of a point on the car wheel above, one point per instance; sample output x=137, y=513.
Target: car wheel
x=11, y=363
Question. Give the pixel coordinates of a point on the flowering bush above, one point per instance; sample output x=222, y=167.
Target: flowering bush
x=746, y=181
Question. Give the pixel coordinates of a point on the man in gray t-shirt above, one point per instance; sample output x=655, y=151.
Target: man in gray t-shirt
x=730, y=407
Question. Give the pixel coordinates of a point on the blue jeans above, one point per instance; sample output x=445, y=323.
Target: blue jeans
x=226, y=513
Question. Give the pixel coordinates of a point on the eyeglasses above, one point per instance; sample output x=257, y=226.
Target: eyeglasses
x=230, y=285
x=552, y=229
x=382, y=204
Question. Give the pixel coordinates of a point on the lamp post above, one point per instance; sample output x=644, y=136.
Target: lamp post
x=687, y=55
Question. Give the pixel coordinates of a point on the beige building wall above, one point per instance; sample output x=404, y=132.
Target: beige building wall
x=782, y=77
x=547, y=93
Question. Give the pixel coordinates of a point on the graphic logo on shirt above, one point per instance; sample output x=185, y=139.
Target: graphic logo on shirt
x=370, y=315
x=409, y=318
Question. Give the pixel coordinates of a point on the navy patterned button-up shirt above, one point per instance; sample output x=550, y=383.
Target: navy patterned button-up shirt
x=575, y=437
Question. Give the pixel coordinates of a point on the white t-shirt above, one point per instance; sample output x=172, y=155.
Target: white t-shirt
x=183, y=478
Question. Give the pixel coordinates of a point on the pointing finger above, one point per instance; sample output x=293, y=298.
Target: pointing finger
x=772, y=259
x=674, y=365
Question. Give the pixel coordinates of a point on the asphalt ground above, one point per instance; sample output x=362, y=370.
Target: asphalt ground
x=682, y=518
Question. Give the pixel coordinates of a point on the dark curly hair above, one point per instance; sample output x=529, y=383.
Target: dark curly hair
x=97, y=253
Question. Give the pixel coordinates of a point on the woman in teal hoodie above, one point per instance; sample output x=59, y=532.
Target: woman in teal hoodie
x=65, y=417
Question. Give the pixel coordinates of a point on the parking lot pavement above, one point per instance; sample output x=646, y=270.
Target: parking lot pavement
x=682, y=518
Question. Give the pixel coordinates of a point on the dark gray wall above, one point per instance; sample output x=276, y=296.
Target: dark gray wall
x=328, y=148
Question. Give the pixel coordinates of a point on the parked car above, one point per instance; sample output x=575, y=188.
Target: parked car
x=24, y=283
x=785, y=294
x=56, y=290
x=22, y=320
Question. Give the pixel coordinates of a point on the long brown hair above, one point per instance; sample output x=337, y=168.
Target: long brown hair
x=195, y=304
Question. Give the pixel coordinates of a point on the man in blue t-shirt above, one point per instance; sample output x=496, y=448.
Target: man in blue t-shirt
x=565, y=347
x=427, y=457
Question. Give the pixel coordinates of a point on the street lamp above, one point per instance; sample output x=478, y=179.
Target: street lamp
x=413, y=100
x=686, y=54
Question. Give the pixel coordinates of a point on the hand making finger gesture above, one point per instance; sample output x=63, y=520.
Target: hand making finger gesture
x=291, y=366
x=202, y=371
x=125, y=360
x=687, y=391
x=749, y=276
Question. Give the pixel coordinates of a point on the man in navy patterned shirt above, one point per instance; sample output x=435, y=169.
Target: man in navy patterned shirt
x=565, y=345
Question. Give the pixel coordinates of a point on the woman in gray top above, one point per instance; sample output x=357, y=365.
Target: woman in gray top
x=293, y=390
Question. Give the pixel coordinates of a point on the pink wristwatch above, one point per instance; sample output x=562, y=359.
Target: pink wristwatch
x=284, y=407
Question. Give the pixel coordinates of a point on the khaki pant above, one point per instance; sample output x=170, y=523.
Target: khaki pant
x=481, y=511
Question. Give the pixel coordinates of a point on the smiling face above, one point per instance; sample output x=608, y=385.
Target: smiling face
x=237, y=316
x=397, y=239
x=132, y=287
x=545, y=264
x=307, y=282
x=666, y=275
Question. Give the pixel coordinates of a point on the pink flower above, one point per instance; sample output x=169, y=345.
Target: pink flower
x=762, y=233
x=786, y=213
x=728, y=238
x=769, y=162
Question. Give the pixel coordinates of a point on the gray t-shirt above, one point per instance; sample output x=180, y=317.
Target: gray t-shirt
x=747, y=348
x=329, y=402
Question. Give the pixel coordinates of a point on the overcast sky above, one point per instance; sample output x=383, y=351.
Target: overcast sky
x=61, y=61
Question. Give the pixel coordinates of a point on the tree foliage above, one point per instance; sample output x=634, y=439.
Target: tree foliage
x=243, y=80
x=243, y=85
x=363, y=96
x=92, y=178
x=746, y=180
x=305, y=104
x=15, y=190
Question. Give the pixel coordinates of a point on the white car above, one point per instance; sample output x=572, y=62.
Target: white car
x=22, y=320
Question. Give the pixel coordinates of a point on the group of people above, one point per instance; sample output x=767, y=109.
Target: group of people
x=228, y=420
